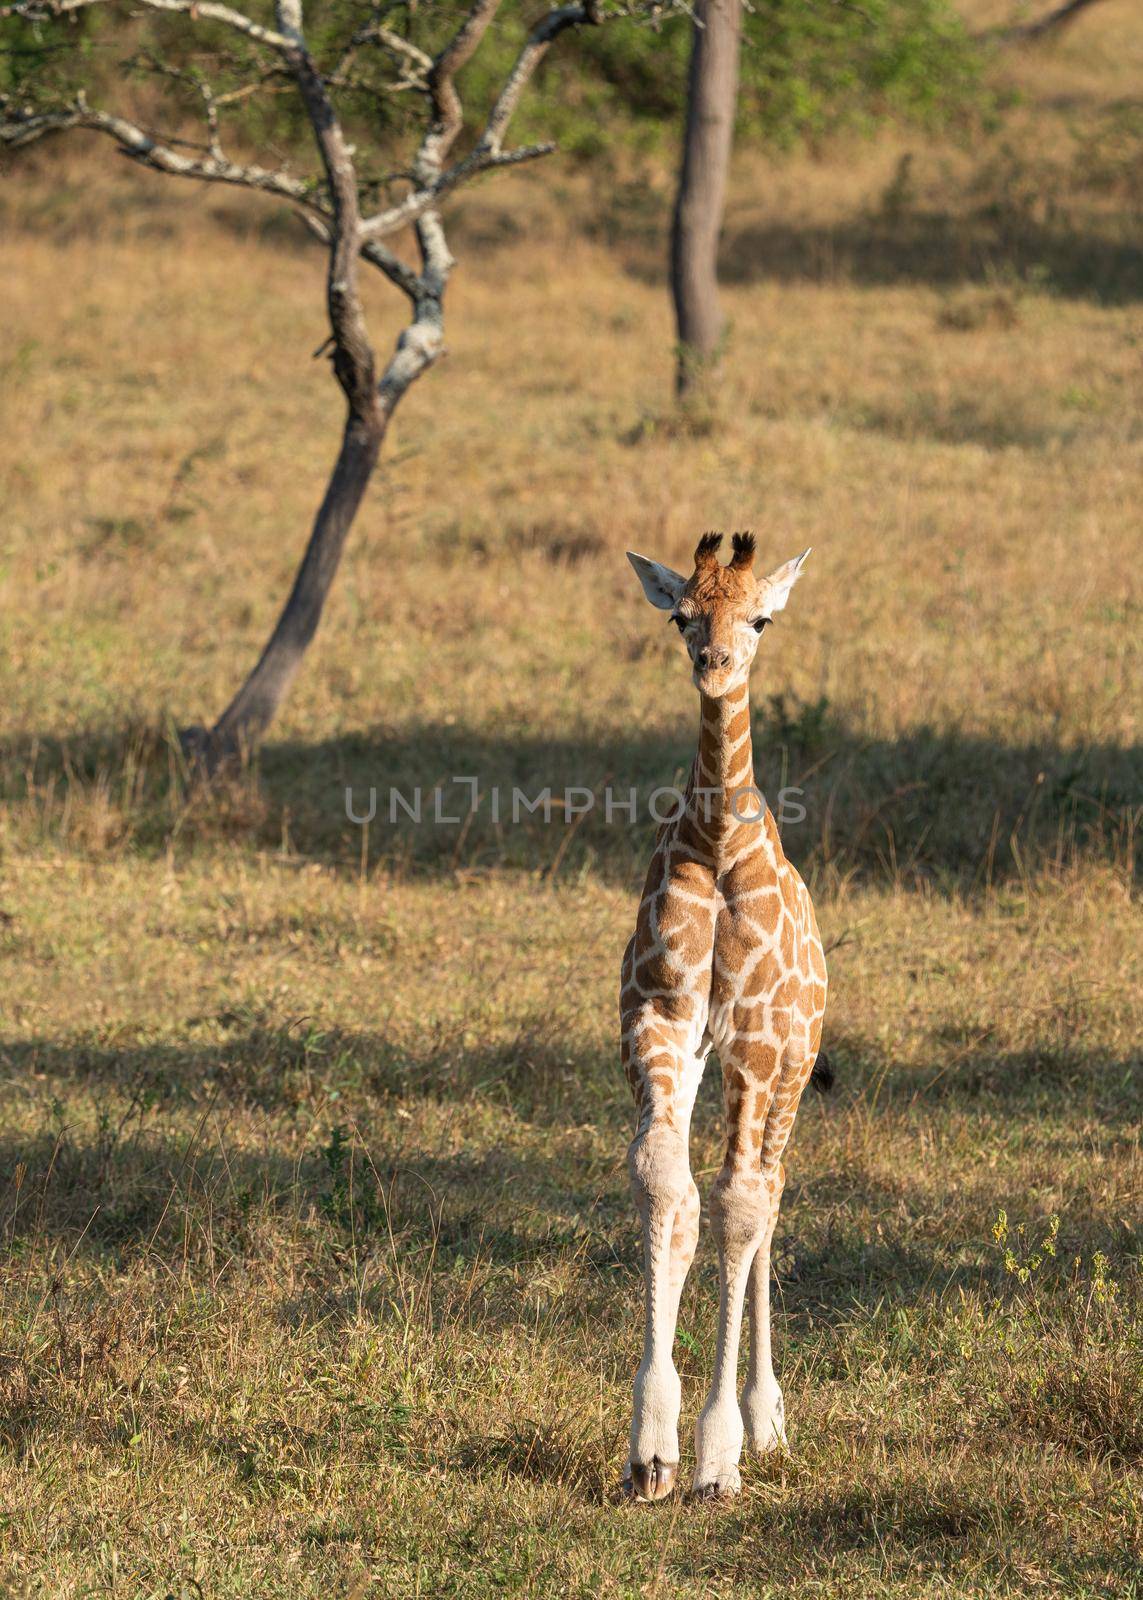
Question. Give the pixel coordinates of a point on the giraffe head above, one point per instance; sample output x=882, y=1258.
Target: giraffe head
x=720, y=611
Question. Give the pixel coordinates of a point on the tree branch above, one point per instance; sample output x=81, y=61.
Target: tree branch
x=400, y=46
x=24, y=128
x=536, y=47
x=20, y=128
x=420, y=200
x=398, y=273
x=1031, y=32
x=433, y=180
x=339, y=222
x=448, y=115
x=353, y=354
x=195, y=82
x=204, y=10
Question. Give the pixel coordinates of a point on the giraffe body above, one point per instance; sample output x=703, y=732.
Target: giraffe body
x=726, y=955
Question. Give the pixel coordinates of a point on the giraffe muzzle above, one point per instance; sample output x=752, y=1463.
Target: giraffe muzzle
x=715, y=683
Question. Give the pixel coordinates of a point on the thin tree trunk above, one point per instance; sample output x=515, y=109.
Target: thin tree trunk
x=255, y=705
x=712, y=90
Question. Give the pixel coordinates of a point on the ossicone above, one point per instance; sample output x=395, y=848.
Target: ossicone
x=706, y=551
x=743, y=545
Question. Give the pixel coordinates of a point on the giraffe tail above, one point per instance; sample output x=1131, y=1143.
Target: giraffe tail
x=821, y=1076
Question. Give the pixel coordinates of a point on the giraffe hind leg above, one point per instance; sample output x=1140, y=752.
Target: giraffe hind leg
x=762, y=1404
x=740, y=1206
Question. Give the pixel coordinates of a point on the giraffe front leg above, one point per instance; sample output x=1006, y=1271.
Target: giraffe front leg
x=738, y=1218
x=668, y=1204
x=763, y=1409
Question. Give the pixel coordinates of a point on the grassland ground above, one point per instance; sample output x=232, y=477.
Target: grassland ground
x=320, y=1274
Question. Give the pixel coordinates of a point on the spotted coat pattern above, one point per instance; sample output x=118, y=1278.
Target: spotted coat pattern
x=726, y=955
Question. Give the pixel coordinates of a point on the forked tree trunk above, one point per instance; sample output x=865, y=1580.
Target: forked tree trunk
x=712, y=91
x=333, y=211
x=255, y=705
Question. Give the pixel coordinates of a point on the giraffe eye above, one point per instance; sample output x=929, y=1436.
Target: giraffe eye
x=759, y=623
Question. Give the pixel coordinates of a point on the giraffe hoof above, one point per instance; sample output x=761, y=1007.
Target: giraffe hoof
x=765, y=1421
x=653, y=1481
x=724, y=1486
x=715, y=1493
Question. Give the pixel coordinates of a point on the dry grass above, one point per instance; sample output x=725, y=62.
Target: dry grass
x=321, y=1276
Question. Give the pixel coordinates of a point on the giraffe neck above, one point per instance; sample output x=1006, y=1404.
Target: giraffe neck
x=720, y=801
x=725, y=754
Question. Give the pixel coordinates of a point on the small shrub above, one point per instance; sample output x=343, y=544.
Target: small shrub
x=1060, y=1355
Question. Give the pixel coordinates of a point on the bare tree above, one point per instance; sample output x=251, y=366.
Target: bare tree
x=334, y=206
x=712, y=91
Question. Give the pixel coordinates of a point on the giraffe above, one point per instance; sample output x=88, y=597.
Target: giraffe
x=726, y=955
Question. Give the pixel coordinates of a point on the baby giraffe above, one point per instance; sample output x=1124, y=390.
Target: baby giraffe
x=726, y=956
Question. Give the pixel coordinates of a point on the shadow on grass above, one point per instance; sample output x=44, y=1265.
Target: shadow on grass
x=534, y=1191
x=942, y=249
x=901, y=242
x=539, y=1076
x=534, y=1075
x=1055, y=1077
x=515, y=1233
x=947, y=810
x=934, y=1524
x=914, y=1514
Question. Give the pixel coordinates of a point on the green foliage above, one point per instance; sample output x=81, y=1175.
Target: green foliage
x=350, y=1201
x=807, y=70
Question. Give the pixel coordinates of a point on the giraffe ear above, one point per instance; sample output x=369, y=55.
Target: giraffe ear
x=661, y=586
x=778, y=585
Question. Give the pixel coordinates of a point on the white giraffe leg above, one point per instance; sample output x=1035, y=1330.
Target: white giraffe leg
x=738, y=1217
x=668, y=1206
x=668, y=1203
x=763, y=1409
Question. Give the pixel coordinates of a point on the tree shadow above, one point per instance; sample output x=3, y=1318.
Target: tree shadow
x=915, y=1526
x=535, y=1071
x=117, y=1182
x=903, y=243
x=941, y=249
x=364, y=1217
x=111, y=1181
x=942, y=809
x=1056, y=1076
x=855, y=1236
x=115, y=1195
